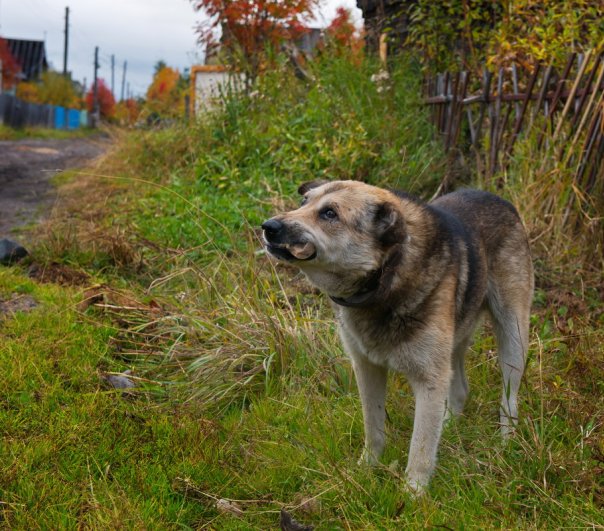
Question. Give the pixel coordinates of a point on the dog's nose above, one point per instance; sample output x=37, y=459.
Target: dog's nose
x=272, y=227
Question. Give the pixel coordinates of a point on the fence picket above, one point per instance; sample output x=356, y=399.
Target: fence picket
x=573, y=99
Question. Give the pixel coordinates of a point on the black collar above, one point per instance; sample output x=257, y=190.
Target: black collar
x=376, y=285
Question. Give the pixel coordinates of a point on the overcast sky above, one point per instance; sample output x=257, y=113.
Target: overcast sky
x=138, y=31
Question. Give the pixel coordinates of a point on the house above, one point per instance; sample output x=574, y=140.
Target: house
x=391, y=16
x=31, y=56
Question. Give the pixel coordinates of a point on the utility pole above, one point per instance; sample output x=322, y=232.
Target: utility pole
x=124, y=79
x=66, y=45
x=113, y=76
x=95, y=90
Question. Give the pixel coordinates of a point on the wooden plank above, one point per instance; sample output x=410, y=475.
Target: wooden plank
x=590, y=105
x=495, y=125
x=451, y=113
x=597, y=168
x=542, y=93
x=501, y=136
x=570, y=100
x=486, y=87
x=475, y=98
x=439, y=89
x=527, y=97
x=465, y=76
x=583, y=97
x=561, y=82
x=471, y=125
x=552, y=102
x=515, y=87
x=443, y=110
x=593, y=134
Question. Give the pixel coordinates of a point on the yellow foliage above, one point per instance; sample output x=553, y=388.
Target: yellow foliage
x=53, y=88
x=165, y=94
x=28, y=91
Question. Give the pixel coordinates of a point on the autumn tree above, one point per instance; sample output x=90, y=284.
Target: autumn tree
x=10, y=68
x=56, y=89
x=165, y=94
x=127, y=112
x=250, y=28
x=343, y=35
x=105, y=99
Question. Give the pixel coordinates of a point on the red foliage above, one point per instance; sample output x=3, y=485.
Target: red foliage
x=10, y=66
x=344, y=33
x=106, y=99
x=250, y=26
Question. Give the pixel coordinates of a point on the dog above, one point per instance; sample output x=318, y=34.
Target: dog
x=409, y=282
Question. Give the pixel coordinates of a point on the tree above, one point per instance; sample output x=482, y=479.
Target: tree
x=56, y=89
x=53, y=88
x=165, y=94
x=250, y=28
x=10, y=67
x=344, y=35
x=127, y=112
x=159, y=66
x=105, y=98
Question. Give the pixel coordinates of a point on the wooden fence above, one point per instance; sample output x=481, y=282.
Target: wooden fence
x=487, y=115
x=17, y=113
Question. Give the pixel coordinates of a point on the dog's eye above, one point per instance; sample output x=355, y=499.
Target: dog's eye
x=304, y=201
x=328, y=213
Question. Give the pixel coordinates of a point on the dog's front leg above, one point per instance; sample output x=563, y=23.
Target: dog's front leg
x=371, y=381
x=430, y=409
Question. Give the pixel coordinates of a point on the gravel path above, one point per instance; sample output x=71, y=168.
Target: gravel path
x=26, y=169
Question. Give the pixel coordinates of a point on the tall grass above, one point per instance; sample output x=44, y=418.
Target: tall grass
x=564, y=217
x=210, y=325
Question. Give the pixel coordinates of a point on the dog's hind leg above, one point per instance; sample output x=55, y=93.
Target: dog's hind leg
x=511, y=323
x=458, y=392
x=371, y=381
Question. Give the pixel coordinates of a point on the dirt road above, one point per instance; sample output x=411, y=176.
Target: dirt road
x=26, y=170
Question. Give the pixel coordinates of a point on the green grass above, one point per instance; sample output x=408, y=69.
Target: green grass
x=43, y=133
x=243, y=392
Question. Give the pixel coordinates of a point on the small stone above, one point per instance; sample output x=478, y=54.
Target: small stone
x=120, y=381
x=287, y=523
x=11, y=252
x=17, y=303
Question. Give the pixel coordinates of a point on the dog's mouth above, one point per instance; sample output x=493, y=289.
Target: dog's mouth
x=302, y=251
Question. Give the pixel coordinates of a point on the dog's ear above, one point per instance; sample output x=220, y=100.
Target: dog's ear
x=305, y=187
x=389, y=224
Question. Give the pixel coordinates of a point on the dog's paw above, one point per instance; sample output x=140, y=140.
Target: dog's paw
x=508, y=430
x=368, y=458
x=415, y=488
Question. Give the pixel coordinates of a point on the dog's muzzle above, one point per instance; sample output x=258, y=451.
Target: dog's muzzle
x=281, y=242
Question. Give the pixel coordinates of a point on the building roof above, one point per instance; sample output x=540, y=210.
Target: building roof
x=31, y=56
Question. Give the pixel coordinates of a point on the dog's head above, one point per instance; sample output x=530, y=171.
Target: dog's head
x=339, y=235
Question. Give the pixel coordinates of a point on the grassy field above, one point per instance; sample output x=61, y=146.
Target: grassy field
x=243, y=402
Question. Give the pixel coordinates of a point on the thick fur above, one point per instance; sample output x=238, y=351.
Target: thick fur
x=409, y=283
